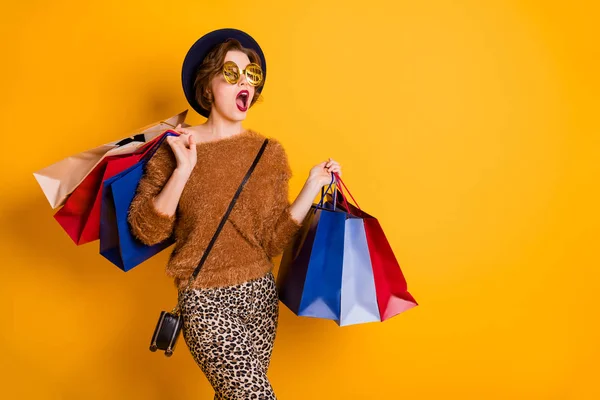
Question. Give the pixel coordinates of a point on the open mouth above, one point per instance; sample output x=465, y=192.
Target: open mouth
x=242, y=100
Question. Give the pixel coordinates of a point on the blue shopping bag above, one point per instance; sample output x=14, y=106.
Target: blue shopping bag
x=117, y=243
x=326, y=271
x=294, y=263
x=358, y=296
x=321, y=295
x=310, y=275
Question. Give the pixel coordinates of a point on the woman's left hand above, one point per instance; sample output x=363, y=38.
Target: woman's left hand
x=321, y=173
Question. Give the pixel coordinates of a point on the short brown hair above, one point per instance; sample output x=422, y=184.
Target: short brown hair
x=212, y=67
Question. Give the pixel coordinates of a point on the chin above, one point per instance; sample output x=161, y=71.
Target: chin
x=233, y=115
x=238, y=115
x=236, y=118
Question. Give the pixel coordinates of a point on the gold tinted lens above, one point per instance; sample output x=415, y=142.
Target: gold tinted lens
x=231, y=72
x=254, y=74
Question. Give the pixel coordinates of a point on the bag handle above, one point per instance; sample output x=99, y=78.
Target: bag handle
x=152, y=146
x=324, y=192
x=140, y=137
x=339, y=186
x=339, y=179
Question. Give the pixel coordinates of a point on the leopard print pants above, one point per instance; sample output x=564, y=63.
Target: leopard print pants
x=230, y=333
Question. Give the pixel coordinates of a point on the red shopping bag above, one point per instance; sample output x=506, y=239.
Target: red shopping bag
x=80, y=215
x=390, y=285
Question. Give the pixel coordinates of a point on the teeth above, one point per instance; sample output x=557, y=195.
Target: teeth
x=244, y=97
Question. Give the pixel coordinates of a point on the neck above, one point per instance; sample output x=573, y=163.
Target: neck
x=219, y=127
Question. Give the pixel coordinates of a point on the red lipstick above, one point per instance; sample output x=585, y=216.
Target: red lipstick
x=242, y=99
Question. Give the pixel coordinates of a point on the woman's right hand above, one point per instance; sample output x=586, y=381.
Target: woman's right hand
x=184, y=148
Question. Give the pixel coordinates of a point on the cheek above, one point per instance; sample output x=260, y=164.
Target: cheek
x=223, y=92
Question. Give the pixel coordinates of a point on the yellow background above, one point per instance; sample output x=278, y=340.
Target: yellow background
x=469, y=128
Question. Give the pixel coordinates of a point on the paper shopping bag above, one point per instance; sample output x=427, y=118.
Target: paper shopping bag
x=326, y=271
x=341, y=267
x=60, y=179
x=117, y=243
x=392, y=293
x=80, y=215
x=358, y=296
x=390, y=285
x=323, y=281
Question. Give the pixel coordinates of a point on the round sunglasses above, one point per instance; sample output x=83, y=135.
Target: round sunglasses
x=253, y=73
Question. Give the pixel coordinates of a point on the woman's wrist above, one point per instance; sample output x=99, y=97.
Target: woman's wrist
x=300, y=207
x=312, y=186
x=180, y=175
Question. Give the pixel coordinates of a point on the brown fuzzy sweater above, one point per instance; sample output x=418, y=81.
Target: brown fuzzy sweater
x=258, y=228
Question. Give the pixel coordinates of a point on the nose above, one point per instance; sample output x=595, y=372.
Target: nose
x=242, y=81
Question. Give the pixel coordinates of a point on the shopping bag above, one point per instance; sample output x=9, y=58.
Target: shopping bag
x=80, y=215
x=326, y=272
x=117, y=243
x=390, y=284
x=358, y=296
x=60, y=179
x=340, y=266
x=309, y=280
x=321, y=296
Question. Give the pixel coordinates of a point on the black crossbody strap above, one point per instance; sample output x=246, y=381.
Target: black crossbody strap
x=224, y=219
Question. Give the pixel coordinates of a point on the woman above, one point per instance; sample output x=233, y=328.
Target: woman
x=230, y=311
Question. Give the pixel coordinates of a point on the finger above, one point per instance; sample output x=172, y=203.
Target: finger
x=183, y=144
x=188, y=143
x=179, y=144
x=179, y=150
x=174, y=146
x=172, y=140
x=184, y=141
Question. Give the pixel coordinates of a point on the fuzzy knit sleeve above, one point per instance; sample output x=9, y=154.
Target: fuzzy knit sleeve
x=146, y=223
x=278, y=226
